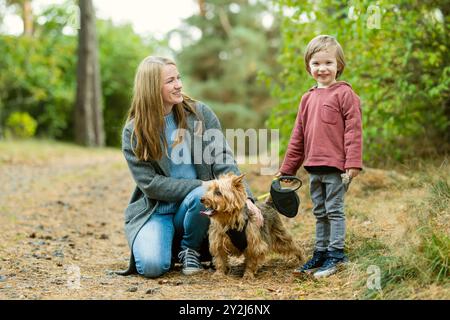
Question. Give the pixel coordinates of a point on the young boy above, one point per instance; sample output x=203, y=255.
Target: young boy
x=327, y=140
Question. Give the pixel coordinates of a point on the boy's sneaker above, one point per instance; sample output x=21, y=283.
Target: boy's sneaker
x=331, y=264
x=315, y=262
x=190, y=259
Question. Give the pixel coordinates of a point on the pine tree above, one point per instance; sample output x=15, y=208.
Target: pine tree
x=223, y=65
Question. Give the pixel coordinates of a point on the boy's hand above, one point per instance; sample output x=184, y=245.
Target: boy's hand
x=279, y=174
x=352, y=172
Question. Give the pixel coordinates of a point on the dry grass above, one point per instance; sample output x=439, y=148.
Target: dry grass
x=42, y=152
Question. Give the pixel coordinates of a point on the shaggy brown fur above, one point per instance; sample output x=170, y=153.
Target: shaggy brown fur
x=225, y=203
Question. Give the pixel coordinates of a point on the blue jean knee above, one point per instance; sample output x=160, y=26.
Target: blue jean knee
x=190, y=225
x=152, y=248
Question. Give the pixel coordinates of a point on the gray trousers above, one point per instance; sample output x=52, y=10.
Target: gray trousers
x=327, y=194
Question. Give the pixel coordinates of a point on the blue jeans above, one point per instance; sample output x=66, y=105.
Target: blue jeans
x=152, y=248
x=327, y=194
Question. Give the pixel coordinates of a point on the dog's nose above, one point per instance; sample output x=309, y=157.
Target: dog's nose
x=202, y=200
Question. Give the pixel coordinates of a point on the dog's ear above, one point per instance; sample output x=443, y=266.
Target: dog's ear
x=227, y=175
x=238, y=180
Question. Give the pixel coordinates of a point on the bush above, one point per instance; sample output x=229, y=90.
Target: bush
x=21, y=125
x=400, y=71
x=38, y=74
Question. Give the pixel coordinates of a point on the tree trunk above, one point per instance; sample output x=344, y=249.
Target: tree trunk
x=27, y=16
x=201, y=7
x=88, y=108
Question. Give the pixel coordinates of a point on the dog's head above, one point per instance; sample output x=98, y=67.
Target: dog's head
x=225, y=197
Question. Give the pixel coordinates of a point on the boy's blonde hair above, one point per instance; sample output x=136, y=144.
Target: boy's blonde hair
x=321, y=43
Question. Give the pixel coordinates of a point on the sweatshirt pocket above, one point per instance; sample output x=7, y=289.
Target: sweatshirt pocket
x=328, y=114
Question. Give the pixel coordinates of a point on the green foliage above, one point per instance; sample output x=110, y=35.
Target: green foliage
x=35, y=80
x=223, y=64
x=38, y=76
x=400, y=71
x=39, y=73
x=121, y=51
x=21, y=125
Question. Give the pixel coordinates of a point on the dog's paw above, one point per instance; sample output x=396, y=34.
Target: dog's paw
x=248, y=276
x=303, y=276
x=219, y=274
x=301, y=258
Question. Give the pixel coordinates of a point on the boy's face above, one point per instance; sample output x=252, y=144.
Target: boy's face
x=323, y=66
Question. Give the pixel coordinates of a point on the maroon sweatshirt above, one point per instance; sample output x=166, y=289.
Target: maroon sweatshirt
x=328, y=130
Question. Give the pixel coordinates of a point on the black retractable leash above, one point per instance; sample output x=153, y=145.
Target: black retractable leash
x=286, y=200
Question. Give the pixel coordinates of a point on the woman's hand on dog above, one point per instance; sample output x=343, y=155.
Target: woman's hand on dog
x=256, y=213
x=206, y=184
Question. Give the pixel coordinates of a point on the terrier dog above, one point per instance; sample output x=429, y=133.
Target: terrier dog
x=233, y=231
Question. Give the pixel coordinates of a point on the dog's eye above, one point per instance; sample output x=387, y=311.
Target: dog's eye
x=217, y=193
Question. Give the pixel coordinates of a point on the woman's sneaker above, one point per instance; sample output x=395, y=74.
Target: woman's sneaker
x=190, y=260
x=331, y=264
x=315, y=262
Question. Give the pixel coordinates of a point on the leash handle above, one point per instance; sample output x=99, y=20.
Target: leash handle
x=277, y=185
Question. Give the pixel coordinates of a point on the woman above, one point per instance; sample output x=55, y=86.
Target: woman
x=164, y=209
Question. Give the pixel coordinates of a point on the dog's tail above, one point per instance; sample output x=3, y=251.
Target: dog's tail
x=268, y=201
x=266, y=198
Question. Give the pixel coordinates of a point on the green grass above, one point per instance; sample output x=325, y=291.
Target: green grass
x=437, y=254
x=395, y=272
x=404, y=271
x=435, y=239
x=357, y=214
x=440, y=195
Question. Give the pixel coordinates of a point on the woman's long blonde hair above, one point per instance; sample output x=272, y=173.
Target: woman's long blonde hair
x=147, y=110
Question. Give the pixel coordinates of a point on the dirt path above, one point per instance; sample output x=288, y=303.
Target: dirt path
x=61, y=234
x=63, y=216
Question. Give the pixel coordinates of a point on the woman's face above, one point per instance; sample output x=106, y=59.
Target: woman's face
x=171, y=86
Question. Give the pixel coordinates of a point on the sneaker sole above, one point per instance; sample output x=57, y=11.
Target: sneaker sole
x=306, y=272
x=189, y=272
x=329, y=272
x=325, y=273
